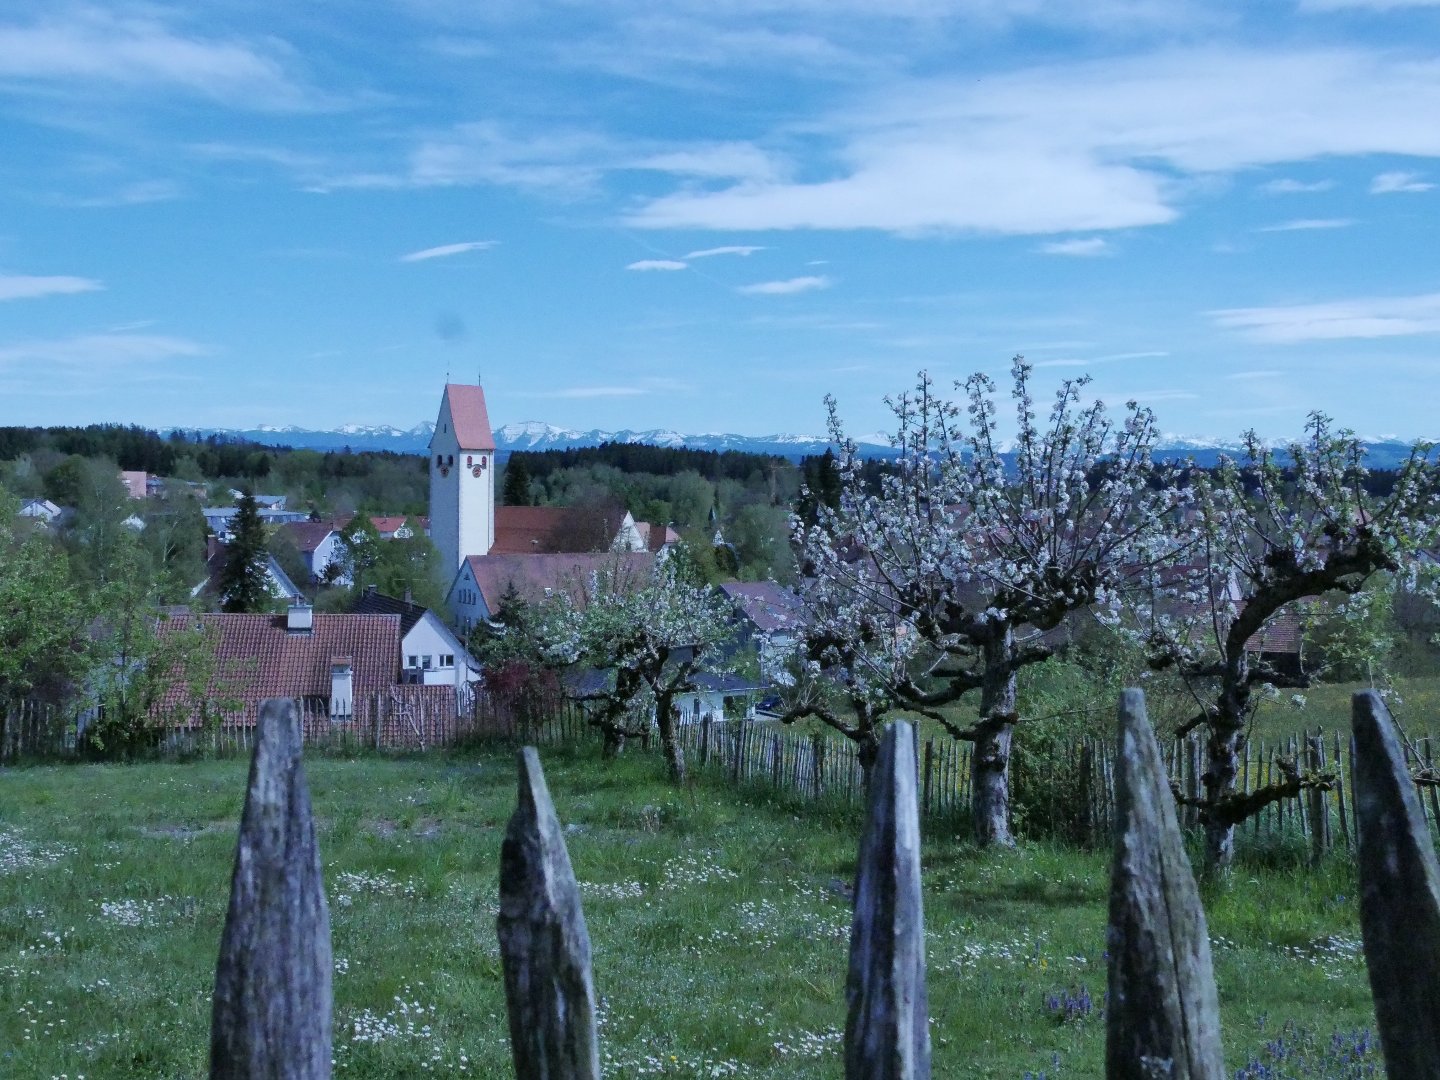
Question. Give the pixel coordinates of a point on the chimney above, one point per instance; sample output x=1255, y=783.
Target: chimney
x=408, y=599
x=342, y=687
x=299, y=619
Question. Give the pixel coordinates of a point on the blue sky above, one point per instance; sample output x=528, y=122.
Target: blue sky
x=706, y=214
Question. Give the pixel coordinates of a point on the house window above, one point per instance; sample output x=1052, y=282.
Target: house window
x=425, y=662
x=447, y=660
x=412, y=661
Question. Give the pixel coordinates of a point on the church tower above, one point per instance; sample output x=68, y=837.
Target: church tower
x=462, y=477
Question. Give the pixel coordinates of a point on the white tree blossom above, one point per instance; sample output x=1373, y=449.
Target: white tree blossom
x=946, y=577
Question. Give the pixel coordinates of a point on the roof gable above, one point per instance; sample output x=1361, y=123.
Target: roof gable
x=463, y=410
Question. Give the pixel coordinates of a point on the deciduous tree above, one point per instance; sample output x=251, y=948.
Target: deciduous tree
x=944, y=578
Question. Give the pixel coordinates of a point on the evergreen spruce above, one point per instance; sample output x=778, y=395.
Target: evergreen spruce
x=516, y=491
x=243, y=585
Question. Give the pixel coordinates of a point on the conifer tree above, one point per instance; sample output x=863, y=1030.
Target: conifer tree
x=243, y=585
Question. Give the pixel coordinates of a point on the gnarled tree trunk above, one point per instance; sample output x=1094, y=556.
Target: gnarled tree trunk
x=990, y=762
x=1225, y=741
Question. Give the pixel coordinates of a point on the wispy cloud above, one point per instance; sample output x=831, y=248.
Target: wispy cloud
x=1245, y=376
x=1095, y=361
x=591, y=392
x=1307, y=224
x=84, y=47
x=787, y=287
x=1378, y=5
x=731, y=249
x=446, y=250
x=1378, y=317
x=1087, y=247
x=1390, y=183
x=657, y=264
x=1287, y=186
x=138, y=193
x=96, y=353
x=26, y=287
x=1078, y=147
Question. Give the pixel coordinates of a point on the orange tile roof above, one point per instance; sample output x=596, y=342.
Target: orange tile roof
x=532, y=530
x=468, y=414
x=256, y=658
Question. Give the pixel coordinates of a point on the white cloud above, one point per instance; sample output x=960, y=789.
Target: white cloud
x=597, y=392
x=1308, y=224
x=1079, y=147
x=1390, y=183
x=25, y=287
x=786, y=288
x=1243, y=376
x=445, y=250
x=1287, y=186
x=1379, y=317
x=657, y=264
x=720, y=161
x=138, y=193
x=731, y=249
x=1086, y=247
x=87, y=45
x=94, y=353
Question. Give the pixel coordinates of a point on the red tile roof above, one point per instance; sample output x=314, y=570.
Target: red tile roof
x=531, y=530
x=769, y=606
x=532, y=575
x=469, y=416
x=256, y=658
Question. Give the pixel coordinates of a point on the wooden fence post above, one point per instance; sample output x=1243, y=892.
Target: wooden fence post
x=544, y=946
x=817, y=761
x=272, y=1006
x=887, y=1026
x=1399, y=895
x=1163, y=1017
x=1319, y=800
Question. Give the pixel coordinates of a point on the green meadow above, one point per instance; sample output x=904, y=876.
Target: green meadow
x=719, y=920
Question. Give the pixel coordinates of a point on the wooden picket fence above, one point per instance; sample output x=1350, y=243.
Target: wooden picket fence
x=406, y=718
x=273, y=999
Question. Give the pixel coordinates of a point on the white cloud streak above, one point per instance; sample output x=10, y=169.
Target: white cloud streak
x=730, y=249
x=446, y=250
x=1287, y=186
x=1391, y=183
x=1379, y=317
x=657, y=264
x=1086, y=247
x=1308, y=225
x=27, y=287
x=97, y=353
x=788, y=287
x=87, y=46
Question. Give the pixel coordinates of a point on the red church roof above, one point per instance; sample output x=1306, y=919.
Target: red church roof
x=469, y=416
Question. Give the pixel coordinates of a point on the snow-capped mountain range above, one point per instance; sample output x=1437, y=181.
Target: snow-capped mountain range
x=1384, y=451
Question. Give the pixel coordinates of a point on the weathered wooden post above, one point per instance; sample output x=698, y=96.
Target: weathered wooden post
x=1163, y=1018
x=271, y=1015
x=1399, y=895
x=544, y=946
x=887, y=1026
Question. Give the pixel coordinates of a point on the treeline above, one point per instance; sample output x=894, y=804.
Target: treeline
x=713, y=465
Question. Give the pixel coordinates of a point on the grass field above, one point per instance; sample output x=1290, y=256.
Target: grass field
x=719, y=924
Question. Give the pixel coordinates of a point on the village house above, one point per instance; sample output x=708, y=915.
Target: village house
x=430, y=653
x=328, y=662
x=770, y=617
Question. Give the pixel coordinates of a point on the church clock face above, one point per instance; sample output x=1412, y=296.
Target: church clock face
x=475, y=472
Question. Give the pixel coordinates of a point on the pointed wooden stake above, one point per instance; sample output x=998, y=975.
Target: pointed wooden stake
x=271, y=1016
x=887, y=1033
x=1399, y=896
x=544, y=945
x=1163, y=1017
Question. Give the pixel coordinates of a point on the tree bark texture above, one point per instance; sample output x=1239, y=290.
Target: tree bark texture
x=990, y=762
x=887, y=1030
x=1163, y=1016
x=1399, y=896
x=669, y=743
x=272, y=1007
x=544, y=945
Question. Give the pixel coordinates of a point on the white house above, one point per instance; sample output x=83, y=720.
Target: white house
x=320, y=546
x=430, y=653
x=41, y=510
